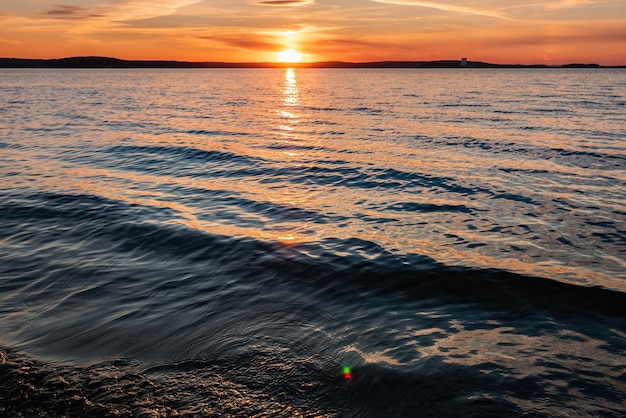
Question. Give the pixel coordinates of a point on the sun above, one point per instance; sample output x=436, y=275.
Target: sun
x=289, y=55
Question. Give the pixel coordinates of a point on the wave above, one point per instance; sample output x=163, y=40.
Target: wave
x=75, y=223
x=183, y=153
x=609, y=160
x=181, y=162
x=286, y=376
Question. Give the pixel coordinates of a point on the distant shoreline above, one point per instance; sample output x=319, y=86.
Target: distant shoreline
x=107, y=62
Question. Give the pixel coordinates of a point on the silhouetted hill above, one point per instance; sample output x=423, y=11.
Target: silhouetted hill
x=107, y=62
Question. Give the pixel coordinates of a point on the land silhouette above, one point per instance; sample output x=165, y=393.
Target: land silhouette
x=108, y=62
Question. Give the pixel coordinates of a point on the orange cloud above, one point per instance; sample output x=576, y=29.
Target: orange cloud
x=448, y=7
x=245, y=41
x=283, y=2
x=69, y=12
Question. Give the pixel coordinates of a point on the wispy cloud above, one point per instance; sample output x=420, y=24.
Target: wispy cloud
x=552, y=5
x=63, y=11
x=144, y=9
x=289, y=3
x=565, y=35
x=448, y=7
x=346, y=44
x=245, y=41
x=117, y=11
x=566, y=4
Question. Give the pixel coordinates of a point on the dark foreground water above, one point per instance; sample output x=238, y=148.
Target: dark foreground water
x=226, y=242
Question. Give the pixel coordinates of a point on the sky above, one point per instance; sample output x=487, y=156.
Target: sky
x=550, y=32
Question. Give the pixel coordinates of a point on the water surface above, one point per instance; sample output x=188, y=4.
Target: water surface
x=224, y=241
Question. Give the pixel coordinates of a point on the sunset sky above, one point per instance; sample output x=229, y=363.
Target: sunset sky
x=500, y=31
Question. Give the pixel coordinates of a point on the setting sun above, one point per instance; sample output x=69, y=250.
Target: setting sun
x=289, y=55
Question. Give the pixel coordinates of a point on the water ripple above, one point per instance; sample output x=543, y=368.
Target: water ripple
x=202, y=243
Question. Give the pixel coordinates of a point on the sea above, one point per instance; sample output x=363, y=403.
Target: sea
x=313, y=242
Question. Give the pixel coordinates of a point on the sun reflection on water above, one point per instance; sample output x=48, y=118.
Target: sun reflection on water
x=290, y=90
x=291, y=150
x=289, y=117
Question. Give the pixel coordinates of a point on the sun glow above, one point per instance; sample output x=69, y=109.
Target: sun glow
x=289, y=55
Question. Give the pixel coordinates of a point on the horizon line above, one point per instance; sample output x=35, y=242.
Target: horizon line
x=94, y=61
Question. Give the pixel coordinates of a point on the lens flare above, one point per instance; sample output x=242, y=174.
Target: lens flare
x=347, y=373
